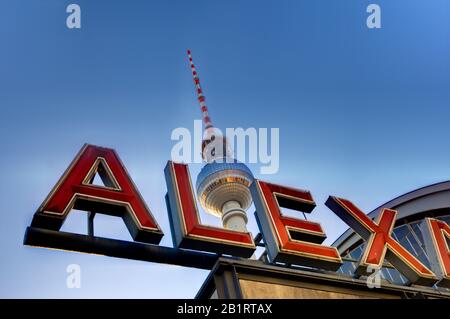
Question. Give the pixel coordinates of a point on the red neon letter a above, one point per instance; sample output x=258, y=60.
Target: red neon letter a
x=436, y=235
x=119, y=196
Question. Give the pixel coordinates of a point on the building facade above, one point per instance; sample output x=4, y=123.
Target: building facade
x=231, y=278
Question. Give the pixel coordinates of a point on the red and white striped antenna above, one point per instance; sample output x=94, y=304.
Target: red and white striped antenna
x=214, y=145
x=201, y=98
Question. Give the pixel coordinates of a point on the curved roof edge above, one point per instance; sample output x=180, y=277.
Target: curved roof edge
x=399, y=201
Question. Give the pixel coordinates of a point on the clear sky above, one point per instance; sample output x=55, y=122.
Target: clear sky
x=363, y=114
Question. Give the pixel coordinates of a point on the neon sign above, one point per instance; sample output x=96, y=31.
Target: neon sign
x=287, y=239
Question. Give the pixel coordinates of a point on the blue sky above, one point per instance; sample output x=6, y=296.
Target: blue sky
x=363, y=114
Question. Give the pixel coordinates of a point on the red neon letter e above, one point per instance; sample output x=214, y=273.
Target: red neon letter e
x=289, y=239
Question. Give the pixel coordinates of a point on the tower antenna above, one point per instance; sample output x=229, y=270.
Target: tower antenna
x=201, y=98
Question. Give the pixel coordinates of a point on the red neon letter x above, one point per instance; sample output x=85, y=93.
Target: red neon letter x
x=380, y=243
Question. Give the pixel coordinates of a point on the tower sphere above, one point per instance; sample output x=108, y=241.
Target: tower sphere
x=222, y=181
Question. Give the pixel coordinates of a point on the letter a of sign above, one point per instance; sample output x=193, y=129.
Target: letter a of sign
x=436, y=234
x=380, y=243
x=187, y=230
x=119, y=196
x=290, y=239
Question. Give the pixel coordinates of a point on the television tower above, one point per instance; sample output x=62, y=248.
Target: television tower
x=222, y=184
